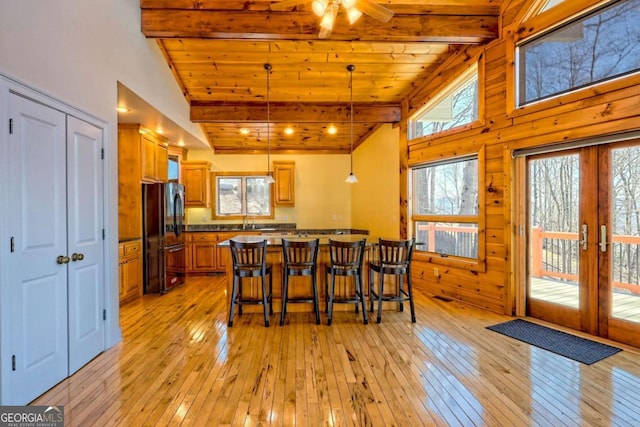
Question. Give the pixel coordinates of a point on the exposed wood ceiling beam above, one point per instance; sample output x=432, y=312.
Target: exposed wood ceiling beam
x=285, y=112
x=176, y=23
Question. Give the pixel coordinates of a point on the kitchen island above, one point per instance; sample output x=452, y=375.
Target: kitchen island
x=300, y=287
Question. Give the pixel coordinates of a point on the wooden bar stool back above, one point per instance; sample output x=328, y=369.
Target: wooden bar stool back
x=394, y=259
x=346, y=260
x=300, y=258
x=250, y=261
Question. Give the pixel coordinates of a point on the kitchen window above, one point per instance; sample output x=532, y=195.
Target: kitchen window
x=447, y=210
x=241, y=194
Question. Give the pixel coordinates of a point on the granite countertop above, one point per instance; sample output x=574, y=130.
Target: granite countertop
x=276, y=240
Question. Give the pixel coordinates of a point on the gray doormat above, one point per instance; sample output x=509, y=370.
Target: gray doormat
x=567, y=345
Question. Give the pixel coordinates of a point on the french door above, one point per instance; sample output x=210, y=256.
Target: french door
x=583, y=240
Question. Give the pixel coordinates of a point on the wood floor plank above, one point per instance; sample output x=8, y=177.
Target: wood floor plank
x=179, y=364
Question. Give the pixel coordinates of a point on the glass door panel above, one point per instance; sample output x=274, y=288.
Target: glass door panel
x=623, y=242
x=554, y=237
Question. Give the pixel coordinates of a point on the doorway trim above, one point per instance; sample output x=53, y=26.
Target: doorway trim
x=113, y=333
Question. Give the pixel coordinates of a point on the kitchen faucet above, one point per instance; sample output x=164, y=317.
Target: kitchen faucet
x=244, y=222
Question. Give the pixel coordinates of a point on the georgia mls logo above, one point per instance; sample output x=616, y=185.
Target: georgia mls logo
x=31, y=416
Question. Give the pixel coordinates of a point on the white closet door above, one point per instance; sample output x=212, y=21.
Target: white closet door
x=38, y=225
x=85, y=244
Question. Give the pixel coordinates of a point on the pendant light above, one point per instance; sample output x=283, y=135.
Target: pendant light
x=269, y=178
x=351, y=178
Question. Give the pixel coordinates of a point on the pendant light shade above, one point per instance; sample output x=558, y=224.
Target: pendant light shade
x=269, y=178
x=351, y=178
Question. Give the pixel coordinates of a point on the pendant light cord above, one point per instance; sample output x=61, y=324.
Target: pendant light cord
x=351, y=68
x=268, y=68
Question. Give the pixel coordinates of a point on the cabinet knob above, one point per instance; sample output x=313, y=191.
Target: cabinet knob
x=77, y=257
x=62, y=259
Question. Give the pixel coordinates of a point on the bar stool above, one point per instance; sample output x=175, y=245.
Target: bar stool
x=299, y=259
x=345, y=260
x=250, y=260
x=394, y=258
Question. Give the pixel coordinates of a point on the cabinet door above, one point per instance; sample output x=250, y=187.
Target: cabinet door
x=122, y=278
x=204, y=257
x=284, y=174
x=133, y=280
x=195, y=176
x=162, y=163
x=148, y=158
x=223, y=258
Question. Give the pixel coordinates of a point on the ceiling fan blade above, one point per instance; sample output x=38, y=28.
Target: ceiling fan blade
x=374, y=10
x=324, y=33
x=288, y=4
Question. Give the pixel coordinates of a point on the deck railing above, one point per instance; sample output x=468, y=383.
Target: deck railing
x=555, y=255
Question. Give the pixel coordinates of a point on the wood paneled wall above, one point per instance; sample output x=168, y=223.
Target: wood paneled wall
x=601, y=110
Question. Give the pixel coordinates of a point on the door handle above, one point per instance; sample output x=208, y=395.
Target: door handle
x=77, y=257
x=583, y=242
x=603, y=238
x=62, y=259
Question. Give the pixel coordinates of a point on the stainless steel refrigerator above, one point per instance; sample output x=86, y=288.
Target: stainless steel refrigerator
x=163, y=237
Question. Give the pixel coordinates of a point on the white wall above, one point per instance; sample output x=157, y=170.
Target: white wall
x=75, y=51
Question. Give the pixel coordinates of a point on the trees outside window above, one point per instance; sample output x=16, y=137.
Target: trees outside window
x=598, y=47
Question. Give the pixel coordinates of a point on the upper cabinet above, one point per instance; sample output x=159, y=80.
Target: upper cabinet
x=195, y=176
x=284, y=174
x=142, y=156
x=154, y=157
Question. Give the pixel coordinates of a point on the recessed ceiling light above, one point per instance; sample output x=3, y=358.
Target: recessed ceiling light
x=244, y=131
x=159, y=130
x=332, y=130
x=288, y=131
x=122, y=109
x=181, y=143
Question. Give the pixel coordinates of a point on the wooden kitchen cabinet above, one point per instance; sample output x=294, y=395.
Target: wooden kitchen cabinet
x=130, y=269
x=206, y=256
x=142, y=157
x=284, y=174
x=154, y=157
x=197, y=184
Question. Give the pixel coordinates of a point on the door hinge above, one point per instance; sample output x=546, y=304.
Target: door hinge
x=10, y=126
x=104, y=234
x=12, y=244
x=104, y=315
x=102, y=153
x=13, y=362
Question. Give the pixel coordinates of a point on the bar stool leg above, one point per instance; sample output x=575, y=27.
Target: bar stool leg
x=270, y=293
x=399, y=286
x=316, y=304
x=326, y=292
x=331, y=290
x=410, y=291
x=362, y=301
x=264, y=301
x=234, y=290
x=285, y=294
x=380, y=288
x=371, y=292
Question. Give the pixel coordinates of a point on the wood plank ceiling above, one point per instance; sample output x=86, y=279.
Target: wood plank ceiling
x=217, y=50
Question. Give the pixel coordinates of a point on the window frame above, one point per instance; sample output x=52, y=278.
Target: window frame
x=421, y=254
x=559, y=25
x=244, y=214
x=475, y=68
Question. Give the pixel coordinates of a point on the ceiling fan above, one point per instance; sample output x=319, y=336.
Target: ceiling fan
x=328, y=10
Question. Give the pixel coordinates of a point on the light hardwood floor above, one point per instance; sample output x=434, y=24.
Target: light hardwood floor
x=179, y=364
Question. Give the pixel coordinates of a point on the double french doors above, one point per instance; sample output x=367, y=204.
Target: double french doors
x=583, y=242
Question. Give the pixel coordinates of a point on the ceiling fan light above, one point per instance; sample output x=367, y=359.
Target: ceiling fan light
x=319, y=7
x=353, y=14
x=329, y=17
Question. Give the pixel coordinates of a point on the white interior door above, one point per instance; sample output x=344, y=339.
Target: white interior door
x=85, y=244
x=38, y=226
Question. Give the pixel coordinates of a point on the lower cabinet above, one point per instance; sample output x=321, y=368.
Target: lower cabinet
x=203, y=254
x=130, y=263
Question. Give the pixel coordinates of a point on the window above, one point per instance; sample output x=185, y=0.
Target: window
x=238, y=194
x=173, y=168
x=445, y=208
x=456, y=106
x=594, y=48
